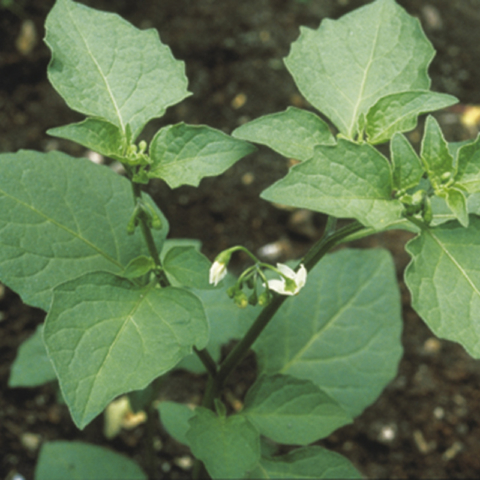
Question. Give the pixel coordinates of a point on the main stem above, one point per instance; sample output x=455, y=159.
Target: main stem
x=203, y=355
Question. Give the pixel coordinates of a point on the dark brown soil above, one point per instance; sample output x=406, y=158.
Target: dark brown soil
x=427, y=423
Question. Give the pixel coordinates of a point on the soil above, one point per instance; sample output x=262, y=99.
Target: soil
x=426, y=424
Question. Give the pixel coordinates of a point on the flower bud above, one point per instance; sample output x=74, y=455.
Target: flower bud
x=241, y=299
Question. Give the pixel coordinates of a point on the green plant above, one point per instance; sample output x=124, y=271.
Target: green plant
x=126, y=306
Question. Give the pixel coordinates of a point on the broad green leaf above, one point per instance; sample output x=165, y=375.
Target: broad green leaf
x=226, y=323
x=228, y=446
x=468, y=167
x=188, y=266
x=306, y=463
x=106, y=337
x=292, y=411
x=174, y=417
x=96, y=134
x=407, y=167
x=105, y=67
x=346, y=181
x=79, y=461
x=398, y=112
x=435, y=154
x=457, y=203
x=32, y=367
x=62, y=217
x=293, y=133
x=345, y=66
x=184, y=154
x=342, y=331
x=138, y=267
x=444, y=280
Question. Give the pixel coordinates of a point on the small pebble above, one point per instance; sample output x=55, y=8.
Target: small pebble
x=31, y=441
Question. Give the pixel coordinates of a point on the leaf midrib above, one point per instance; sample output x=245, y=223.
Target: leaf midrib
x=104, y=78
x=64, y=228
x=363, y=85
x=454, y=261
x=351, y=301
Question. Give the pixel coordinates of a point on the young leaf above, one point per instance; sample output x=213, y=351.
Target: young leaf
x=105, y=67
x=468, y=167
x=457, y=203
x=441, y=212
x=307, y=463
x=106, y=337
x=188, y=267
x=60, y=460
x=228, y=446
x=293, y=133
x=444, y=281
x=174, y=417
x=435, y=154
x=398, y=112
x=96, y=134
x=292, y=411
x=184, y=154
x=407, y=167
x=347, y=180
x=32, y=367
x=352, y=291
x=62, y=217
x=138, y=267
x=347, y=65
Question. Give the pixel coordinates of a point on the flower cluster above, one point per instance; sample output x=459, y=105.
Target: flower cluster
x=289, y=283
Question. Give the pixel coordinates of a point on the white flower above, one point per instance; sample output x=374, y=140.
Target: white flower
x=218, y=270
x=293, y=282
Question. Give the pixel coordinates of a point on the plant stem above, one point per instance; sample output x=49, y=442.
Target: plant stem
x=147, y=235
x=150, y=452
x=203, y=355
x=207, y=360
x=315, y=254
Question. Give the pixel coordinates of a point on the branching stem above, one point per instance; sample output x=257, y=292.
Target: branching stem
x=330, y=239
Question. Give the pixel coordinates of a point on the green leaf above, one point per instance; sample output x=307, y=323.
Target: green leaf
x=62, y=217
x=407, y=167
x=345, y=66
x=347, y=180
x=96, y=134
x=293, y=133
x=443, y=278
x=228, y=446
x=32, y=367
x=188, y=267
x=138, y=267
x=174, y=417
x=398, y=112
x=292, y=411
x=435, y=154
x=226, y=323
x=307, y=463
x=468, y=167
x=105, y=67
x=457, y=203
x=342, y=331
x=441, y=212
x=184, y=154
x=107, y=336
x=78, y=461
